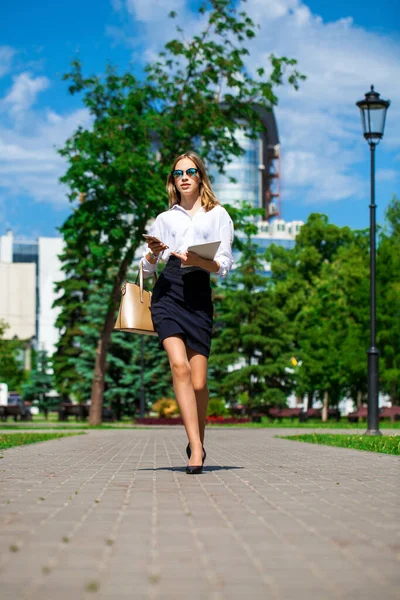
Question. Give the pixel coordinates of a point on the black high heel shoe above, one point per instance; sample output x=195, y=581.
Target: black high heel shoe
x=194, y=470
x=189, y=452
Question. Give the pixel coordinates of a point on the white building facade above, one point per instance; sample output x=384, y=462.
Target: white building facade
x=28, y=271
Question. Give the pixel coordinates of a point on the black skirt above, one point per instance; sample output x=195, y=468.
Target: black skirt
x=181, y=304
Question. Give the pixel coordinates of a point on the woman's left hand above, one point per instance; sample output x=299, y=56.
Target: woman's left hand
x=190, y=259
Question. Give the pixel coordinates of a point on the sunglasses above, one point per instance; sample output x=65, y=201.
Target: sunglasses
x=178, y=173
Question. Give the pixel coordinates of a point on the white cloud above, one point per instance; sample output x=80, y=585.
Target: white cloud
x=319, y=125
x=29, y=162
x=155, y=29
x=23, y=93
x=6, y=55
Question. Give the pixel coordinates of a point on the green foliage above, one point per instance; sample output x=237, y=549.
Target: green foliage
x=11, y=370
x=216, y=408
x=40, y=382
x=388, y=302
x=252, y=338
x=123, y=377
x=322, y=286
x=73, y=293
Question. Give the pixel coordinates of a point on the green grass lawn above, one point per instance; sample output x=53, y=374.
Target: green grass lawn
x=40, y=423
x=8, y=440
x=311, y=424
x=65, y=426
x=386, y=444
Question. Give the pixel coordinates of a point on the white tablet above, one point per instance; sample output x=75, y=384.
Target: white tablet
x=207, y=250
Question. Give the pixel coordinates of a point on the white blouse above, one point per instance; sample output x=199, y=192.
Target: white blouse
x=178, y=230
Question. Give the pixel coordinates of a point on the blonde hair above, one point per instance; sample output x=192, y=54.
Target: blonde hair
x=208, y=199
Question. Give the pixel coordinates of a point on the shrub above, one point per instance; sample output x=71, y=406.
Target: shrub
x=166, y=407
x=275, y=397
x=216, y=408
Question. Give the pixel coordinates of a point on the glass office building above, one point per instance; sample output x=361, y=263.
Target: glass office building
x=256, y=172
x=257, y=182
x=245, y=170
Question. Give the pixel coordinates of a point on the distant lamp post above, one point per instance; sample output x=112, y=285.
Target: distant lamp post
x=373, y=116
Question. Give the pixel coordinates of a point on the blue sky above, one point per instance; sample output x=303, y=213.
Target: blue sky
x=343, y=47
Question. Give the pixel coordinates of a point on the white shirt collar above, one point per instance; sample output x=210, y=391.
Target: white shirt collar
x=184, y=209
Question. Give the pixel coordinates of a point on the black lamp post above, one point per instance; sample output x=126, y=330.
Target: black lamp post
x=373, y=116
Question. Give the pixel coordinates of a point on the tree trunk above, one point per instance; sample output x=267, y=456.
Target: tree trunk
x=359, y=398
x=104, y=343
x=325, y=407
x=310, y=397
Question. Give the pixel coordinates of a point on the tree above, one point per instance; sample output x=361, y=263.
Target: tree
x=388, y=302
x=124, y=374
x=317, y=284
x=40, y=382
x=197, y=95
x=11, y=371
x=124, y=363
x=72, y=295
x=110, y=164
x=252, y=342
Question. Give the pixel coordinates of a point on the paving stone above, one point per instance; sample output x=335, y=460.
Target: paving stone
x=267, y=518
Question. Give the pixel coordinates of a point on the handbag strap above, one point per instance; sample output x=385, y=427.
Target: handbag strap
x=140, y=276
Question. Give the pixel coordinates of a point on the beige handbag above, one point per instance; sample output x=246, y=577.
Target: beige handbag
x=134, y=311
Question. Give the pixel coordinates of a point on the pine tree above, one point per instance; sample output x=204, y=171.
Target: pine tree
x=40, y=383
x=124, y=362
x=252, y=339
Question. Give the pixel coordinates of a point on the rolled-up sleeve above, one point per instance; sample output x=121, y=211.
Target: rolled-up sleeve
x=148, y=268
x=224, y=253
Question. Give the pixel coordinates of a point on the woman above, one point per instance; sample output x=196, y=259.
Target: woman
x=181, y=306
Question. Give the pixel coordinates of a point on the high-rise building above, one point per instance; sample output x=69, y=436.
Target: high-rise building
x=256, y=172
x=257, y=181
x=28, y=270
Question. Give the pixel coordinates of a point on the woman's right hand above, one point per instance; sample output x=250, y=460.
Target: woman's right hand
x=156, y=247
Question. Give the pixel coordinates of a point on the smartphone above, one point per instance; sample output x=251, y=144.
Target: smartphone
x=152, y=238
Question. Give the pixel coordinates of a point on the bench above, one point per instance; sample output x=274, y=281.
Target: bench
x=316, y=413
x=390, y=412
x=280, y=413
x=79, y=411
x=360, y=413
x=15, y=411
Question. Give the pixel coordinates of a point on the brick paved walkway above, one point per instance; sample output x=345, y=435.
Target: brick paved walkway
x=112, y=514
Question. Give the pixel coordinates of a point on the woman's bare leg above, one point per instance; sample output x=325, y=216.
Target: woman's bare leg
x=184, y=393
x=199, y=365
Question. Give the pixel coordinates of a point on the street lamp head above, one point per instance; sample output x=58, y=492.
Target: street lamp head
x=373, y=116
